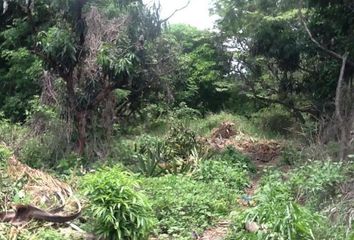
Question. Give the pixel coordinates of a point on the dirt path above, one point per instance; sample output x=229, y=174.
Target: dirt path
x=219, y=232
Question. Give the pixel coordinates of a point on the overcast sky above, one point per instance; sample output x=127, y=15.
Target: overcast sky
x=196, y=14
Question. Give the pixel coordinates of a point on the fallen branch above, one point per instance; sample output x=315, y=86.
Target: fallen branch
x=25, y=213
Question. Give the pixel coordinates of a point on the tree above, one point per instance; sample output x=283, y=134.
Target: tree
x=94, y=47
x=277, y=61
x=201, y=79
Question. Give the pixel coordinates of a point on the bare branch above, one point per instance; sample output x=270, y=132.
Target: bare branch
x=174, y=12
x=326, y=50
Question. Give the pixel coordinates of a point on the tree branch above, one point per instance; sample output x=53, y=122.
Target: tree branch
x=340, y=89
x=326, y=50
x=174, y=12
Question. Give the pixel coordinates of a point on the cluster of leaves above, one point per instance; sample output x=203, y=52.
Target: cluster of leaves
x=278, y=210
x=116, y=207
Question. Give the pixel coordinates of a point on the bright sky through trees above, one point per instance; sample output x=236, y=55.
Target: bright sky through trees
x=196, y=14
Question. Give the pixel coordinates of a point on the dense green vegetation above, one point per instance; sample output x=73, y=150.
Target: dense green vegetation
x=166, y=131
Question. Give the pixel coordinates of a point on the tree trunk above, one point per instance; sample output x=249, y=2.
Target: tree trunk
x=81, y=122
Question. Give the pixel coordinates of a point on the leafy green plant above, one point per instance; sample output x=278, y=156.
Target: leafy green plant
x=118, y=210
x=181, y=140
x=149, y=159
x=149, y=152
x=184, y=112
x=315, y=181
x=290, y=155
x=277, y=213
x=183, y=204
x=223, y=173
x=236, y=158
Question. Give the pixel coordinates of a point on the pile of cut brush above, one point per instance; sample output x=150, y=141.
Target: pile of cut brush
x=258, y=150
x=41, y=191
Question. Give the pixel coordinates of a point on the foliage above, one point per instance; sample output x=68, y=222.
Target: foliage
x=235, y=158
x=291, y=154
x=49, y=234
x=171, y=154
x=279, y=215
x=277, y=203
x=200, y=81
x=43, y=233
x=19, y=82
x=182, y=111
x=182, y=204
x=181, y=140
x=116, y=207
x=274, y=120
x=11, y=134
x=47, y=144
x=316, y=181
x=232, y=176
x=150, y=153
x=275, y=58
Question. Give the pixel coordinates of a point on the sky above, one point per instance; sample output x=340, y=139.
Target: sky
x=196, y=14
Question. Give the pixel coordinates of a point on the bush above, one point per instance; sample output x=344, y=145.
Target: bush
x=10, y=133
x=183, y=205
x=234, y=157
x=171, y=154
x=181, y=140
x=315, y=181
x=150, y=152
x=290, y=155
x=274, y=120
x=184, y=112
x=117, y=208
x=232, y=176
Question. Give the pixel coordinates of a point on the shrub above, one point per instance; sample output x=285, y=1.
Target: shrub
x=183, y=205
x=277, y=204
x=233, y=176
x=10, y=133
x=315, y=181
x=181, y=140
x=234, y=157
x=149, y=152
x=277, y=212
x=274, y=119
x=184, y=112
x=290, y=155
x=117, y=208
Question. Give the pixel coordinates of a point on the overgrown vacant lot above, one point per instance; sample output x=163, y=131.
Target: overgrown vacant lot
x=119, y=122
x=212, y=178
